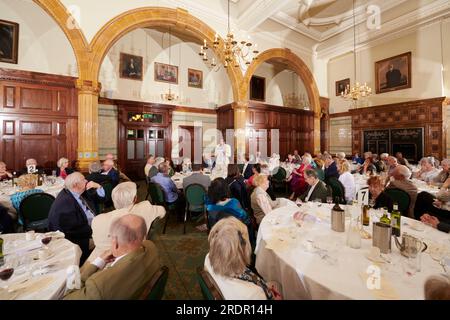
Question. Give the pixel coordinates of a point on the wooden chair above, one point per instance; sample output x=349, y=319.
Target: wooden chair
x=209, y=287
x=154, y=290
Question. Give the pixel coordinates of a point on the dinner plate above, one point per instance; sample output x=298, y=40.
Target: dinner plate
x=374, y=259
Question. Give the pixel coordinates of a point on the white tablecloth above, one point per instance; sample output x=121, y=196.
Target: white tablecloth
x=6, y=191
x=47, y=286
x=178, y=177
x=283, y=255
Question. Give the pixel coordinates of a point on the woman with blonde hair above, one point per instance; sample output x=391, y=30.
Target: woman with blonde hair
x=228, y=260
x=4, y=175
x=260, y=200
x=347, y=180
x=63, y=169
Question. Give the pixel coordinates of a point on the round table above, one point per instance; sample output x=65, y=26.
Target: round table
x=284, y=255
x=33, y=278
x=178, y=177
x=6, y=191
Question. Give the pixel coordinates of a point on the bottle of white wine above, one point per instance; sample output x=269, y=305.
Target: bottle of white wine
x=396, y=217
x=2, y=259
x=385, y=219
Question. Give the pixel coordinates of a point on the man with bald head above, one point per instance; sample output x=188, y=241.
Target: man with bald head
x=403, y=182
x=123, y=271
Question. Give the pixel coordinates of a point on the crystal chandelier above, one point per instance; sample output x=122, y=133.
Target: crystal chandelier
x=235, y=52
x=169, y=96
x=357, y=91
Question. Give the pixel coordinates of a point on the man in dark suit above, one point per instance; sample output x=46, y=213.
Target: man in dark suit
x=316, y=189
x=108, y=170
x=72, y=211
x=393, y=77
x=330, y=168
x=30, y=163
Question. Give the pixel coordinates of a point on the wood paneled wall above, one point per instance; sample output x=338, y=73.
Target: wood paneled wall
x=38, y=118
x=295, y=126
x=428, y=114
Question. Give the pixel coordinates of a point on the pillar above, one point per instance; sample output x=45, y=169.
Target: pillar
x=87, y=123
x=240, y=124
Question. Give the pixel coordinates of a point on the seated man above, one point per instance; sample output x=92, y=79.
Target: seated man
x=331, y=170
x=401, y=181
x=108, y=170
x=316, y=189
x=153, y=171
x=32, y=162
x=124, y=197
x=197, y=176
x=170, y=189
x=133, y=260
x=95, y=175
x=72, y=211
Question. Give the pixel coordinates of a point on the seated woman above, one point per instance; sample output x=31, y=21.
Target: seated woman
x=320, y=168
x=368, y=167
x=171, y=165
x=437, y=206
x=63, y=169
x=376, y=193
x=237, y=186
x=297, y=178
x=427, y=171
x=221, y=204
x=4, y=175
x=124, y=197
x=347, y=180
x=290, y=159
x=260, y=200
x=256, y=170
x=228, y=260
x=27, y=184
x=357, y=159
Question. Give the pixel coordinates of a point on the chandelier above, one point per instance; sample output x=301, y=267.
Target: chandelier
x=357, y=91
x=169, y=96
x=235, y=52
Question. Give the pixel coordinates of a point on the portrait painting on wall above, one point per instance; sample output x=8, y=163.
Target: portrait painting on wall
x=195, y=78
x=9, y=41
x=393, y=73
x=258, y=88
x=131, y=66
x=341, y=85
x=166, y=73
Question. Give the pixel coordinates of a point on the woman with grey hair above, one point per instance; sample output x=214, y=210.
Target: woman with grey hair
x=228, y=260
x=443, y=175
x=428, y=170
x=124, y=197
x=63, y=169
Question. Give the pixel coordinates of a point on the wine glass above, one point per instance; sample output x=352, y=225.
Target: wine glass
x=6, y=273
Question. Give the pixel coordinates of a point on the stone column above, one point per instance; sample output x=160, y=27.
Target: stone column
x=240, y=123
x=316, y=142
x=87, y=123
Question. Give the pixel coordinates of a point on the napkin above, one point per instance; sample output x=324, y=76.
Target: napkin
x=385, y=292
x=56, y=234
x=73, y=280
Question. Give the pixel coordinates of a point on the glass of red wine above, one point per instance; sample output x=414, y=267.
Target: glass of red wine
x=5, y=274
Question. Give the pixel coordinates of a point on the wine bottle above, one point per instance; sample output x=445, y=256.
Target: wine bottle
x=396, y=217
x=385, y=219
x=365, y=215
x=2, y=259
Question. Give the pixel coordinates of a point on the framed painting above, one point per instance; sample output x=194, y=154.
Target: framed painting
x=341, y=85
x=393, y=73
x=195, y=78
x=166, y=73
x=131, y=66
x=9, y=41
x=258, y=88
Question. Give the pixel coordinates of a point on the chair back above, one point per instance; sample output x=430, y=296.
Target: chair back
x=154, y=289
x=34, y=210
x=280, y=174
x=156, y=194
x=214, y=216
x=209, y=287
x=337, y=188
x=401, y=197
x=152, y=226
x=195, y=197
x=241, y=167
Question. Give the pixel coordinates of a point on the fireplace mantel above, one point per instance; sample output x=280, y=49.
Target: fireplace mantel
x=428, y=114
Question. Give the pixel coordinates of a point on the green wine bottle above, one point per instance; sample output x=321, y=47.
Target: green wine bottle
x=396, y=217
x=2, y=259
x=385, y=219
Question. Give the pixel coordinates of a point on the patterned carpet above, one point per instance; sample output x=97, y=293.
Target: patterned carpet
x=182, y=253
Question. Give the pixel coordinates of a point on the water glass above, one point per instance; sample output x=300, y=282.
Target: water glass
x=409, y=265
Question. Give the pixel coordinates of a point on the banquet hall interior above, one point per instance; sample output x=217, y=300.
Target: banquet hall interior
x=225, y=150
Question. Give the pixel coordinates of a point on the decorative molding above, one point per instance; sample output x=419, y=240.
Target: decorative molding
x=340, y=114
x=258, y=12
x=195, y=110
x=39, y=78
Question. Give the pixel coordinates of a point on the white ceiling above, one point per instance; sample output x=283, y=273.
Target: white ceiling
x=322, y=21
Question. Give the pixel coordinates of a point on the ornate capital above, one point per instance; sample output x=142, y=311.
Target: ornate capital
x=88, y=86
x=240, y=106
